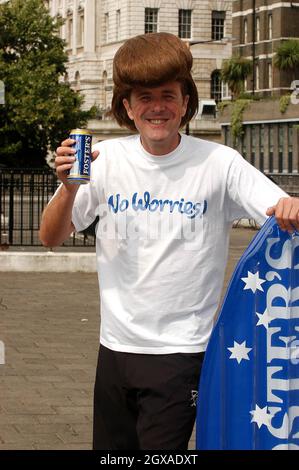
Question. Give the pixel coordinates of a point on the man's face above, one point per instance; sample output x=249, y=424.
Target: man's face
x=157, y=113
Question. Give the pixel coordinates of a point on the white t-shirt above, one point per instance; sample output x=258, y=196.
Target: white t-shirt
x=162, y=239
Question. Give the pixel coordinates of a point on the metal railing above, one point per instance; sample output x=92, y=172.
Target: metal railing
x=289, y=182
x=23, y=196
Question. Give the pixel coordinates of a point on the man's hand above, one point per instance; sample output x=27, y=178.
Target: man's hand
x=286, y=212
x=65, y=157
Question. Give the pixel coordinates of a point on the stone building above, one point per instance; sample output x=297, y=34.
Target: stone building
x=95, y=29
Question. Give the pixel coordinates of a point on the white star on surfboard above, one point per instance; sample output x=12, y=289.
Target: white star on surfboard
x=253, y=281
x=261, y=416
x=239, y=351
x=264, y=319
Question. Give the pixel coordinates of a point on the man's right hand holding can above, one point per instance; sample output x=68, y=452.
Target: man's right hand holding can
x=65, y=158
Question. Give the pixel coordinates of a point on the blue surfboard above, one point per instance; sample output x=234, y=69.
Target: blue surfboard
x=249, y=387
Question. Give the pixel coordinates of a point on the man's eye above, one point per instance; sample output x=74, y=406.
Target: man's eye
x=144, y=98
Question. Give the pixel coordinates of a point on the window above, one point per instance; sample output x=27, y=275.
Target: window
x=270, y=27
x=257, y=29
x=245, y=31
x=117, y=24
x=225, y=93
x=257, y=77
x=216, y=86
x=151, y=20
x=185, y=24
x=105, y=81
x=60, y=31
x=77, y=81
x=106, y=27
x=80, y=30
x=270, y=82
x=218, y=18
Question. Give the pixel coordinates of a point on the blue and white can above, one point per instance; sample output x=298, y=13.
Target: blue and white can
x=80, y=171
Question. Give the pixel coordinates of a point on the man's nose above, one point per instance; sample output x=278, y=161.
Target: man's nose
x=158, y=105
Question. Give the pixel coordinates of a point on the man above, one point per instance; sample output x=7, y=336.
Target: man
x=166, y=202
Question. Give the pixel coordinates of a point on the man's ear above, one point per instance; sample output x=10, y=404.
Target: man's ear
x=128, y=108
x=185, y=104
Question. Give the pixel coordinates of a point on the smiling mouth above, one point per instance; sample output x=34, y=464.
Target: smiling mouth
x=156, y=121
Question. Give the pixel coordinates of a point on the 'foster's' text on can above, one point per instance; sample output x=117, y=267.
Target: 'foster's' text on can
x=80, y=171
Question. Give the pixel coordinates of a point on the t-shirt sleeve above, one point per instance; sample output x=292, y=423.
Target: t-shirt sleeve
x=250, y=192
x=85, y=208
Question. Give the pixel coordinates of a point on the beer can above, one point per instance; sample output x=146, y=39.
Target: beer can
x=80, y=171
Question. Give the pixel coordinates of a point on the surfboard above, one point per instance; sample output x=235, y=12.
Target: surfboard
x=249, y=389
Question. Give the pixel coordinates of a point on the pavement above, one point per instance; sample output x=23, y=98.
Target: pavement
x=49, y=328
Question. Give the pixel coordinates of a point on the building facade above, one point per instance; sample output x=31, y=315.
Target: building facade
x=270, y=134
x=260, y=27
x=95, y=29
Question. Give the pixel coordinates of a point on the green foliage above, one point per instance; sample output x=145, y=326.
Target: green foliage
x=287, y=55
x=245, y=95
x=234, y=71
x=284, y=102
x=221, y=105
x=39, y=107
x=238, y=108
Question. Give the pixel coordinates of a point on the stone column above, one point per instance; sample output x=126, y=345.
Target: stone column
x=63, y=12
x=275, y=148
x=89, y=26
x=285, y=149
x=247, y=142
x=75, y=16
x=257, y=146
x=295, y=149
x=266, y=149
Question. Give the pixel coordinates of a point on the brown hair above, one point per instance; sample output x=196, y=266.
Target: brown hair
x=150, y=60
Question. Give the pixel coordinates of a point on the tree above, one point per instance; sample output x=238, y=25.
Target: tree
x=234, y=71
x=287, y=56
x=39, y=107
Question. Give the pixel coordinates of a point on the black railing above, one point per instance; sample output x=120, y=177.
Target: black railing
x=23, y=196
x=289, y=182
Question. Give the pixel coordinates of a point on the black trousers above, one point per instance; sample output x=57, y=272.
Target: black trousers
x=145, y=401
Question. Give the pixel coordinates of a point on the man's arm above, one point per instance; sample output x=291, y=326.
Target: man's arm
x=259, y=196
x=56, y=224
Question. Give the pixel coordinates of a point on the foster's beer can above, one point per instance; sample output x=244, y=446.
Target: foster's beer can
x=80, y=171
